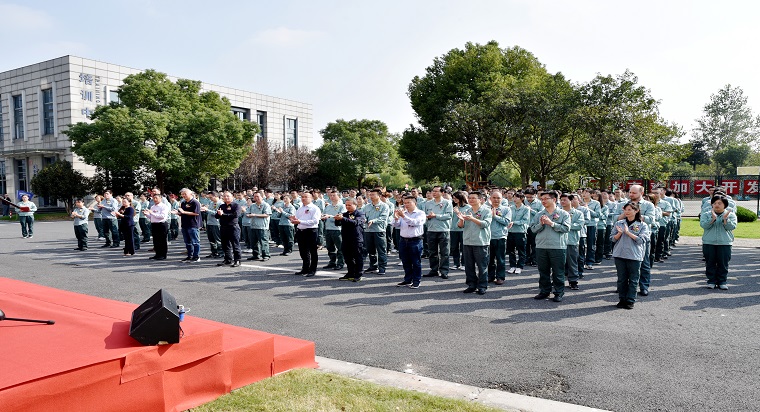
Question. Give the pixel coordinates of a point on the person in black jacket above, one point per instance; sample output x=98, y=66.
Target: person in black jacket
x=229, y=229
x=351, y=225
x=126, y=215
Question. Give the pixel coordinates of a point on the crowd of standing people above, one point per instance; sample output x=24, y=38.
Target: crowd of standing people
x=488, y=234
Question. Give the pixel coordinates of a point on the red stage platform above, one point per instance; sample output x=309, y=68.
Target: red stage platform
x=88, y=362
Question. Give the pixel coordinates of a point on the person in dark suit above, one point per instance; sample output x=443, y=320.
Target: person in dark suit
x=126, y=215
x=229, y=229
x=351, y=225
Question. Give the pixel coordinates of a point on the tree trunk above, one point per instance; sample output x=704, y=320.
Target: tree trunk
x=160, y=177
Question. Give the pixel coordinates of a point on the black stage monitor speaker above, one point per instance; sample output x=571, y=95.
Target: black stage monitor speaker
x=156, y=320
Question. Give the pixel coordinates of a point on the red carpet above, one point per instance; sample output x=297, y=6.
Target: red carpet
x=88, y=362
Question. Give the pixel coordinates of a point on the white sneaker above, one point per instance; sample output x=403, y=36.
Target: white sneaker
x=400, y=264
x=248, y=250
x=518, y=271
x=710, y=286
x=511, y=270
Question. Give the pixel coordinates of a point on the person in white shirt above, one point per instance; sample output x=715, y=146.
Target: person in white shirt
x=159, y=225
x=411, y=222
x=307, y=219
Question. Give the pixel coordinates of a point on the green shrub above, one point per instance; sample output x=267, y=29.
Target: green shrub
x=745, y=215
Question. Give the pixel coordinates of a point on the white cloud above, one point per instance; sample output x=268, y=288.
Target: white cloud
x=285, y=37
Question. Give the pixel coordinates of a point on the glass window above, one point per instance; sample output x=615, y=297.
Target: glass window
x=242, y=114
x=291, y=132
x=21, y=174
x=3, y=183
x=114, y=97
x=47, y=111
x=261, y=119
x=2, y=130
x=18, y=117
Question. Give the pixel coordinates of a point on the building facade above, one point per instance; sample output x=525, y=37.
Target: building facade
x=38, y=101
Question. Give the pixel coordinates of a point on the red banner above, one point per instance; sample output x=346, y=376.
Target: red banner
x=702, y=187
x=750, y=187
x=731, y=186
x=679, y=186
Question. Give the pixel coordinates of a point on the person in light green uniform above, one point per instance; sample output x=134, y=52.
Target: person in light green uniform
x=438, y=212
x=476, y=237
x=333, y=240
x=260, y=213
x=719, y=225
x=551, y=226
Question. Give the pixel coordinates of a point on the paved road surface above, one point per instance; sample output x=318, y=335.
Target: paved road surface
x=682, y=348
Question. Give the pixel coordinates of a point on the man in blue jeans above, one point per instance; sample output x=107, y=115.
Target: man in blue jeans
x=190, y=216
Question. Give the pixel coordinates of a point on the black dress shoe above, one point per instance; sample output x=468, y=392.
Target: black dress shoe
x=299, y=273
x=252, y=258
x=628, y=305
x=236, y=264
x=469, y=290
x=404, y=283
x=541, y=296
x=444, y=276
x=160, y=257
x=187, y=259
x=481, y=291
x=574, y=286
x=309, y=275
x=153, y=257
x=225, y=263
x=557, y=298
x=329, y=266
x=644, y=292
x=621, y=304
x=430, y=275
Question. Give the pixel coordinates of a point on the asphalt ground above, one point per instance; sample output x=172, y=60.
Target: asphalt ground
x=682, y=348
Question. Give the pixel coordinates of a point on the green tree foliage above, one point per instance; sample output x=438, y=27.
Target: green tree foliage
x=60, y=182
x=354, y=149
x=727, y=121
x=168, y=128
x=623, y=132
x=731, y=157
x=460, y=103
x=698, y=154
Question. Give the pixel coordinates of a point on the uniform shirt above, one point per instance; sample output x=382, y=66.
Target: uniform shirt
x=241, y=204
x=466, y=209
x=32, y=208
x=500, y=220
x=666, y=207
x=377, y=215
x=595, y=211
x=211, y=218
x=138, y=209
x=586, y=217
x=174, y=206
x=320, y=203
x=84, y=212
x=263, y=209
x=412, y=224
x=143, y=207
x=287, y=212
x=443, y=212
x=535, y=205
x=551, y=237
x=627, y=248
x=478, y=235
x=309, y=216
x=718, y=233
x=520, y=219
x=159, y=213
x=577, y=223
x=109, y=206
x=332, y=210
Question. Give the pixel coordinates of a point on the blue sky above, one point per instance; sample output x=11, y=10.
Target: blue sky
x=355, y=59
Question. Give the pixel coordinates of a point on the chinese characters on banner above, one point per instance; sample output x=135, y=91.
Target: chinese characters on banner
x=630, y=183
x=90, y=93
x=702, y=187
x=731, y=186
x=750, y=187
x=680, y=186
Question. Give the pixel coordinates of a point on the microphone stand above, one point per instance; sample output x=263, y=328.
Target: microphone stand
x=2, y=317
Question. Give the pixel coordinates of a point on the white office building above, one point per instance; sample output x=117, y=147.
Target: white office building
x=38, y=101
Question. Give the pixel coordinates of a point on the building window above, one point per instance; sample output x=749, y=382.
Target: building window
x=18, y=117
x=261, y=120
x=242, y=114
x=3, y=183
x=113, y=97
x=2, y=129
x=48, y=123
x=291, y=132
x=21, y=174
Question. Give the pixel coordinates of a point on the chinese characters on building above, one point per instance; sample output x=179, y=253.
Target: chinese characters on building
x=90, y=93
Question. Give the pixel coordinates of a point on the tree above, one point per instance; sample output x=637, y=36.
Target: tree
x=727, y=121
x=169, y=129
x=731, y=157
x=61, y=182
x=354, y=149
x=623, y=132
x=457, y=103
x=698, y=155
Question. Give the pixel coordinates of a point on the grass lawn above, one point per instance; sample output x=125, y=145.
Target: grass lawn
x=311, y=390
x=690, y=227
